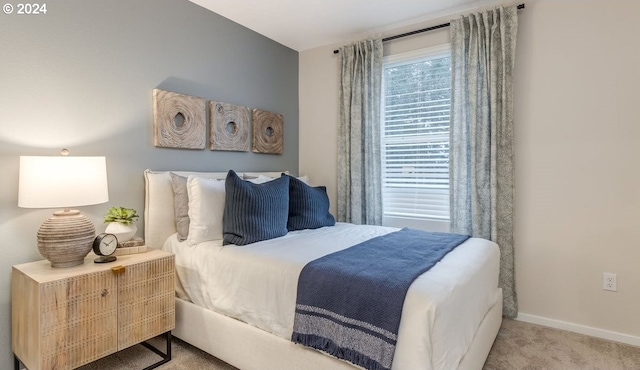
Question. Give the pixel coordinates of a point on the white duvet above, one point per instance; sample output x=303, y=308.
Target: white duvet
x=257, y=284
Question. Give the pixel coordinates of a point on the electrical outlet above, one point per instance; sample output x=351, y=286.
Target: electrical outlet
x=610, y=281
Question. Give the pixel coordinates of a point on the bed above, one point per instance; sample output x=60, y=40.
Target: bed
x=446, y=322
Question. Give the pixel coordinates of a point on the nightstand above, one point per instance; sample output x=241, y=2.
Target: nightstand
x=63, y=318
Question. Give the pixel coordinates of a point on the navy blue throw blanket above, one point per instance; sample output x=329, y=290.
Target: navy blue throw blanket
x=349, y=302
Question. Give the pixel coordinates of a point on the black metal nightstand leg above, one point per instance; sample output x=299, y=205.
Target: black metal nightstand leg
x=17, y=363
x=166, y=356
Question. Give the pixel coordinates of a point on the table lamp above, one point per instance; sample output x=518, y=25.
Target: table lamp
x=63, y=182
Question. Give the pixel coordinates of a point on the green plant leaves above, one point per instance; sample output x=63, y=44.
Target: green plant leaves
x=121, y=214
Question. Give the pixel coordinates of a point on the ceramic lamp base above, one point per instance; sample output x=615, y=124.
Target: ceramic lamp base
x=66, y=238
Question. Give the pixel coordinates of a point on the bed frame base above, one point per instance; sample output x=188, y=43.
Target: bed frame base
x=247, y=347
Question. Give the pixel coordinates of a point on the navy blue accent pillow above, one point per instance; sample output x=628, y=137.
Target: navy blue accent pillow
x=308, y=206
x=254, y=212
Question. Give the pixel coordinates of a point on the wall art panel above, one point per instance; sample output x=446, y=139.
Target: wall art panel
x=268, y=132
x=230, y=127
x=179, y=121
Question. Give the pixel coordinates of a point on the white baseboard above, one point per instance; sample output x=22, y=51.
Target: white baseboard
x=580, y=329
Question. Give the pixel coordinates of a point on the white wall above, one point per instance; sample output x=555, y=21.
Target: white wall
x=577, y=118
x=318, y=107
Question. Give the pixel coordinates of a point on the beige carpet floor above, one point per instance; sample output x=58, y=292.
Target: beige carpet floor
x=519, y=346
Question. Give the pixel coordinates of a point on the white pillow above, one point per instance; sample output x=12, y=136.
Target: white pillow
x=206, y=206
x=261, y=179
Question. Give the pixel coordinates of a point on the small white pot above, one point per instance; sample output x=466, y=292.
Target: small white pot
x=121, y=231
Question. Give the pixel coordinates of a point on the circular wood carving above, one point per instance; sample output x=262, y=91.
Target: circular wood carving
x=268, y=132
x=229, y=127
x=179, y=121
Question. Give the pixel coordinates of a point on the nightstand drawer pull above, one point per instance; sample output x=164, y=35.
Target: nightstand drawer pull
x=118, y=269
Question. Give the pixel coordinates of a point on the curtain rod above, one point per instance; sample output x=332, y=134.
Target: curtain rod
x=521, y=6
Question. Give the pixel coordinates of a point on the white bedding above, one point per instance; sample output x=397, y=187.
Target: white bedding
x=257, y=284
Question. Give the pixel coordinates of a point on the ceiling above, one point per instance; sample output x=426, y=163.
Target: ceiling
x=307, y=24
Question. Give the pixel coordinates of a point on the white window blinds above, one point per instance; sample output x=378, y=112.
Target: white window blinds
x=415, y=135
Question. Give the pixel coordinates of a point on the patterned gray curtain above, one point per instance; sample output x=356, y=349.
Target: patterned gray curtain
x=481, y=153
x=359, y=170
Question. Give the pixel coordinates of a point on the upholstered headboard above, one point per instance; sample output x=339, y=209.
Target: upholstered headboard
x=159, y=212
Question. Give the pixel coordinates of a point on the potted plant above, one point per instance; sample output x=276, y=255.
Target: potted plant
x=120, y=222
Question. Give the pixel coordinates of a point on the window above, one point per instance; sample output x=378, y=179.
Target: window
x=415, y=139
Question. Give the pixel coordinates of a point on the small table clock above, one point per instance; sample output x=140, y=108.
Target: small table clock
x=104, y=245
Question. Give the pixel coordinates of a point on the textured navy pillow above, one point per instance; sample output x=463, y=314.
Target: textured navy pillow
x=308, y=206
x=254, y=212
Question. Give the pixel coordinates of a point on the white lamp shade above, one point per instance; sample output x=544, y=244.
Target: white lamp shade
x=62, y=182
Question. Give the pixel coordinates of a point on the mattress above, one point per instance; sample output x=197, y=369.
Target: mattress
x=257, y=284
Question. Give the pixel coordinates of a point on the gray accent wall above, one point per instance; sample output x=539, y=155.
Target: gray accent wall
x=81, y=77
